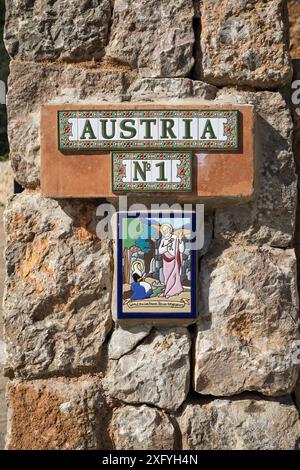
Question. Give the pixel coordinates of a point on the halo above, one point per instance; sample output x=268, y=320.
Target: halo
x=138, y=265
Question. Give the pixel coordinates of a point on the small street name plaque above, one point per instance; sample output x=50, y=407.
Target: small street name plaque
x=144, y=129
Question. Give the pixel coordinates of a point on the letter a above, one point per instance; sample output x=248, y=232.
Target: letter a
x=87, y=129
x=208, y=129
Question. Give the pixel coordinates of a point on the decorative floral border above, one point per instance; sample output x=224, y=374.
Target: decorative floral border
x=184, y=172
x=65, y=130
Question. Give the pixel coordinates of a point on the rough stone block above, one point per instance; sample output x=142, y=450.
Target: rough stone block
x=156, y=38
x=67, y=30
x=160, y=89
x=57, y=414
x=248, y=423
x=6, y=182
x=248, y=328
x=157, y=372
x=141, y=428
x=270, y=218
x=245, y=42
x=58, y=286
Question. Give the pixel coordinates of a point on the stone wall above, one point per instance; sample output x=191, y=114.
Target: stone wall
x=77, y=380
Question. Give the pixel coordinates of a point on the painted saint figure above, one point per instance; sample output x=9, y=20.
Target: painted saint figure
x=140, y=288
x=171, y=248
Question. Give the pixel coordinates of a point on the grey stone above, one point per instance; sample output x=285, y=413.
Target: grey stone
x=141, y=428
x=160, y=89
x=58, y=286
x=157, y=372
x=123, y=340
x=244, y=42
x=248, y=327
x=66, y=407
x=270, y=218
x=67, y=30
x=156, y=38
x=246, y=423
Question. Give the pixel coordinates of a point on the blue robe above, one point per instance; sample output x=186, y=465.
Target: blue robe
x=139, y=292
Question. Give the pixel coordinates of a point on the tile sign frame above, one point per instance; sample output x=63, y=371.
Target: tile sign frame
x=231, y=130
x=84, y=171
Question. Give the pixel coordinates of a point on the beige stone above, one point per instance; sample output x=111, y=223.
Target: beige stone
x=57, y=414
x=6, y=182
x=58, y=287
x=157, y=372
x=123, y=340
x=141, y=428
x=294, y=15
x=270, y=218
x=172, y=89
x=154, y=37
x=245, y=423
x=248, y=327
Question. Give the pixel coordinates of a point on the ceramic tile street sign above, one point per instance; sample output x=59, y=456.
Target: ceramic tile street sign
x=156, y=270
x=145, y=129
x=151, y=171
x=77, y=142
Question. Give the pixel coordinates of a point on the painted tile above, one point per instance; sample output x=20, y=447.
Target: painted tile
x=156, y=275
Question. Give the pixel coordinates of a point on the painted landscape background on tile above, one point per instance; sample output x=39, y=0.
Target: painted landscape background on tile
x=156, y=264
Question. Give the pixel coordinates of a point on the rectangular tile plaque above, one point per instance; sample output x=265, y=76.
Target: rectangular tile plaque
x=143, y=129
x=151, y=171
x=72, y=166
x=156, y=266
